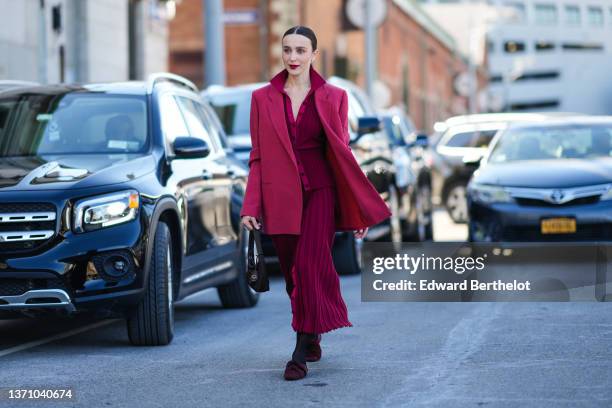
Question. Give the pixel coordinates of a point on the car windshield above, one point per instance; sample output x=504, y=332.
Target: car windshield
x=233, y=109
x=72, y=123
x=553, y=142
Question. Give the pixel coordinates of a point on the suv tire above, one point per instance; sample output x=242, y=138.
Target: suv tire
x=152, y=322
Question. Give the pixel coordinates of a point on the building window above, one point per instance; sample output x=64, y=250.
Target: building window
x=544, y=46
x=595, y=16
x=514, y=46
x=538, y=76
x=572, y=15
x=516, y=12
x=524, y=106
x=546, y=14
x=582, y=47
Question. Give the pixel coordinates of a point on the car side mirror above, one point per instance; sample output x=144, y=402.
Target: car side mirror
x=422, y=139
x=187, y=147
x=368, y=124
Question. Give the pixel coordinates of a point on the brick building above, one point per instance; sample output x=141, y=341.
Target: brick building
x=82, y=40
x=417, y=59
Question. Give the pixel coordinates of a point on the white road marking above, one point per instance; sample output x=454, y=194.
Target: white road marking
x=69, y=333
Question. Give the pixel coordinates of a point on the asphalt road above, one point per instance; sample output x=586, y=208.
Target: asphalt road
x=397, y=354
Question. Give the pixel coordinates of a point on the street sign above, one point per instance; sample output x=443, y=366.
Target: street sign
x=496, y=102
x=355, y=11
x=234, y=17
x=464, y=83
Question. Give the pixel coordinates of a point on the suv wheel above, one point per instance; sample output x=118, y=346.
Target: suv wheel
x=152, y=322
x=238, y=293
x=456, y=202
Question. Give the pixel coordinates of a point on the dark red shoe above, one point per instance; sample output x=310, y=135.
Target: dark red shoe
x=295, y=370
x=313, y=350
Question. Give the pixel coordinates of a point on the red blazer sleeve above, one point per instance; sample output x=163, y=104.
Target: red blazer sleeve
x=252, y=197
x=346, y=138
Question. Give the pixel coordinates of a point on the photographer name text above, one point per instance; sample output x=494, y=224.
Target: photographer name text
x=433, y=285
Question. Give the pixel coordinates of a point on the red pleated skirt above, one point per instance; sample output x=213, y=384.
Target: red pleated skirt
x=312, y=282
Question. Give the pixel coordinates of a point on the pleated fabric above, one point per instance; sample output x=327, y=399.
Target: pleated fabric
x=312, y=282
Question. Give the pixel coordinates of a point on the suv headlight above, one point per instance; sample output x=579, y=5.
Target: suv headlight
x=607, y=195
x=489, y=194
x=106, y=210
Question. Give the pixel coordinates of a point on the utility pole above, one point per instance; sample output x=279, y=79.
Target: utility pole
x=263, y=40
x=369, y=48
x=214, y=40
x=473, y=47
x=42, y=43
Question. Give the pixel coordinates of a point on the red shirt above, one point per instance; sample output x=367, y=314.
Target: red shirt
x=307, y=135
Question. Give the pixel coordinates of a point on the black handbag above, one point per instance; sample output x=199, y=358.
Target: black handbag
x=257, y=277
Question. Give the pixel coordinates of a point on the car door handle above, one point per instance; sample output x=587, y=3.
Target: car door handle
x=206, y=175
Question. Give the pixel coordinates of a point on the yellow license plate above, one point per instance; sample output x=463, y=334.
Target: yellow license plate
x=558, y=226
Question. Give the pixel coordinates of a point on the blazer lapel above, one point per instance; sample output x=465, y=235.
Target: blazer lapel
x=325, y=107
x=277, y=117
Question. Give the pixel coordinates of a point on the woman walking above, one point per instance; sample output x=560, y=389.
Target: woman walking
x=304, y=185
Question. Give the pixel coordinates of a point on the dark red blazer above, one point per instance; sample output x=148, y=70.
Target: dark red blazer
x=274, y=193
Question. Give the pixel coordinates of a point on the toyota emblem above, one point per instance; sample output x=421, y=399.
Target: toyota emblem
x=557, y=196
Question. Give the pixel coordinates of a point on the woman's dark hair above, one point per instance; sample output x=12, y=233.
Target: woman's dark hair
x=306, y=32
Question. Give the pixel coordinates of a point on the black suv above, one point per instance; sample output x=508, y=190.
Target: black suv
x=117, y=199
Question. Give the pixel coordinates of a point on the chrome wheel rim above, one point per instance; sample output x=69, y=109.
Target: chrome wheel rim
x=457, y=204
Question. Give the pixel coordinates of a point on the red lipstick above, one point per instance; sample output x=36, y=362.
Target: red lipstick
x=293, y=66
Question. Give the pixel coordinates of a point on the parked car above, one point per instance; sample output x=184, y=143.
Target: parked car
x=412, y=175
x=369, y=144
x=545, y=181
x=117, y=199
x=460, y=137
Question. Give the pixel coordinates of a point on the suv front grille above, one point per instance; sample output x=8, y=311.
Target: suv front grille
x=16, y=287
x=541, y=203
x=26, y=226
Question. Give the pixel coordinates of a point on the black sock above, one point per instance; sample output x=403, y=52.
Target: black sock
x=302, y=341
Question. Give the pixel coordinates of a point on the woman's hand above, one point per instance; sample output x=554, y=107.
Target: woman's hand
x=250, y=222
x=360, y=233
